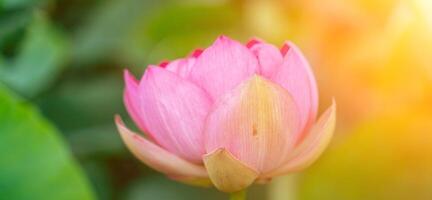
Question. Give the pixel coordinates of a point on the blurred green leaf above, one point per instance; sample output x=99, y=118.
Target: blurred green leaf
x=34, y=161
x=12, y=25
x=39, y=59
x=106, y=29
x=100, y=178
x=14, y=4
x=84, y=101
x=160, y=37
x=102, y=140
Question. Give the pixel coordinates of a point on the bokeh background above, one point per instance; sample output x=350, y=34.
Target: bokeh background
x=61, y=83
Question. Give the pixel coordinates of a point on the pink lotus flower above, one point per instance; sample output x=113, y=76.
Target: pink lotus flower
x=230, y=115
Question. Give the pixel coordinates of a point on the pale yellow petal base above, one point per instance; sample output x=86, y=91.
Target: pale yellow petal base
x=227, y=173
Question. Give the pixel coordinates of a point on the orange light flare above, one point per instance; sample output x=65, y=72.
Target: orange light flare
x=373, y=56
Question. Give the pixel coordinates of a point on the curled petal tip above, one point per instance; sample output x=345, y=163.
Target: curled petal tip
x=156, y=157
x=286, y=47
x=126, y=72
x=223, y=37
x=164, y=63
x=128, y=77
x=117, y=119
x=333, y=103
x=225, y=40
x=196, y=53
x=227, y=173
x=253, y=42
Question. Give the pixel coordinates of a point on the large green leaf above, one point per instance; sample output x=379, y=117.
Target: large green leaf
x=34, y=161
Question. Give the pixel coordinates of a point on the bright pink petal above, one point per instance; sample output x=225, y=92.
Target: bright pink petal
x=156, y=157
x=181, y=67
x=313, y=144
x=296, y=76
x=255, y=122
x=132, y=101
x=269, y=58
x=222, y=66
x=174, y=111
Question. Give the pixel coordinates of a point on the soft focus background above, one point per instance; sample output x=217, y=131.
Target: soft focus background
x=61, y=83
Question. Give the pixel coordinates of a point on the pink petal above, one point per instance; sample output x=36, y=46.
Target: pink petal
x=269, y=58
x=131, y=100
x=296, y=76
x=174, y=111
x=313, y=144
x=181, y=67
x=156, y=157
x=255, y=122
x=222, y=66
